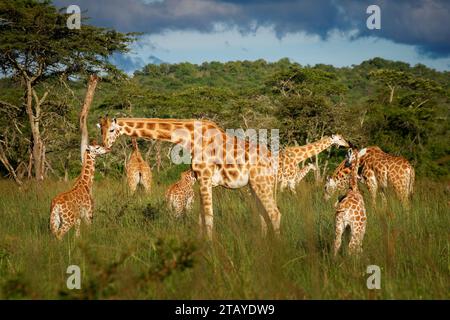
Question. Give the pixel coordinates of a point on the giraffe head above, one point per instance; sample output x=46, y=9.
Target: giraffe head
x=330, y=187
x=338, y=140
x=95, y=150
x=189, y=176
x=353, y=155
x=110, y=130
x=338, y=181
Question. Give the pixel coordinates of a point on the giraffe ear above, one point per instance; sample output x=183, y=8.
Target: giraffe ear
x=114, y=121
x=99, y=126
x=362, y=152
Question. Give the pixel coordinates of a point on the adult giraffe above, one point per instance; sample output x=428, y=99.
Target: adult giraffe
x=218, y=159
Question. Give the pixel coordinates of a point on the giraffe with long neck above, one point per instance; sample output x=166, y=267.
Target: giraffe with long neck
x=68, y=208
x=218, y=159
x=292, y=156
x=351, y=210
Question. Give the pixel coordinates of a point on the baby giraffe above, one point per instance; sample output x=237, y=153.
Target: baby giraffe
x=350, y=210
x=68, y=208
x=180, y=195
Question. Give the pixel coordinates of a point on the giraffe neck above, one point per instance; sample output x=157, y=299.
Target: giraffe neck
x=304, y=171
x=134, y=143
x=354, y=173
x=172, y=130
x=341, y=172
x=86, y=177
x=305, y=152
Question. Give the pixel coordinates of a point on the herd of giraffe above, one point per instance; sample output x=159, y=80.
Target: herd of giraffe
x=218, y=159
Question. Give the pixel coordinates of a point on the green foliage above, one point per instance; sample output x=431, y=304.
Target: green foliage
x=35, y=40
x=303, y=102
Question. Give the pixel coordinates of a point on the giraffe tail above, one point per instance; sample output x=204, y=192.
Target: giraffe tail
x=412, y=176
x=55, y=218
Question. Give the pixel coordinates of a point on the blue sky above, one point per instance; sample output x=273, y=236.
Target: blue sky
x=309, y=32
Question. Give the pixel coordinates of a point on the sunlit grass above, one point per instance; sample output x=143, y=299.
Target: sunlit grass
x=135, y=250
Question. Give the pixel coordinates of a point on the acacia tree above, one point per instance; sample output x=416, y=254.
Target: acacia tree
x=309, y=105
x=392, y=79
x=36, y=45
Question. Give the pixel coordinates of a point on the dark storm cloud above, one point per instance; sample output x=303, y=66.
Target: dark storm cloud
x=422, y=23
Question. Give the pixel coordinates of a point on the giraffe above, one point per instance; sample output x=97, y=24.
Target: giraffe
x=180, y=195
x=138, y=171
x=378, y=169
x=218, y=159
x=292, y=156
x=301, y=173
x=350, y=210
x=68, y=208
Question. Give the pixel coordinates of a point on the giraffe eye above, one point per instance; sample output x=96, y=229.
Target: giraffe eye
x=112, y=130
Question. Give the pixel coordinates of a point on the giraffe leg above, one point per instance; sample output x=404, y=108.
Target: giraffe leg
x=207, y=214
x=263, y=225
x=372, y=185
x=283, y=185
x=146, y=180
x=264, y=192
x=63, y=230
x=89, y=214
x=55, y=219
x=401, y=189
x=189, y=203
x=291, y=185
x=357, y=234
x=77, y=227
x=264, y=217
x=133, y=181
x=339, y=230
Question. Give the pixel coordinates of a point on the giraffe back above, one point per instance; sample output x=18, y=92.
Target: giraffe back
x=138, y=171
x=180, y=195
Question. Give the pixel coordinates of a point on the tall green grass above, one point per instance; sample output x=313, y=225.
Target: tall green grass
x=136, y=250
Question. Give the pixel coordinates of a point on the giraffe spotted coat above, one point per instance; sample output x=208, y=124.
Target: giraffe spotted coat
x=68, y=208
x=180, y=195
x=379, y=170
x=138, y=171
x=351, y=210
x=291, y=157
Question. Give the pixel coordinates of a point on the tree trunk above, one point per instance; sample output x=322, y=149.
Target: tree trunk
x=391, y=96
x=8, y=166
x=93, y=79
x=158, y=156
x=35, y=131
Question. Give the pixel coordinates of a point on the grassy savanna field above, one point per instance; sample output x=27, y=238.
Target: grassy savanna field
x=136, y=250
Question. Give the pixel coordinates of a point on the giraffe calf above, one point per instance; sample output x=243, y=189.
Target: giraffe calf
x=350, y=210
x=68, y=208
x=180, y=195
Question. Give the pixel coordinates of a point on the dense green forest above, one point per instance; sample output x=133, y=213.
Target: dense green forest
x=400, y=108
